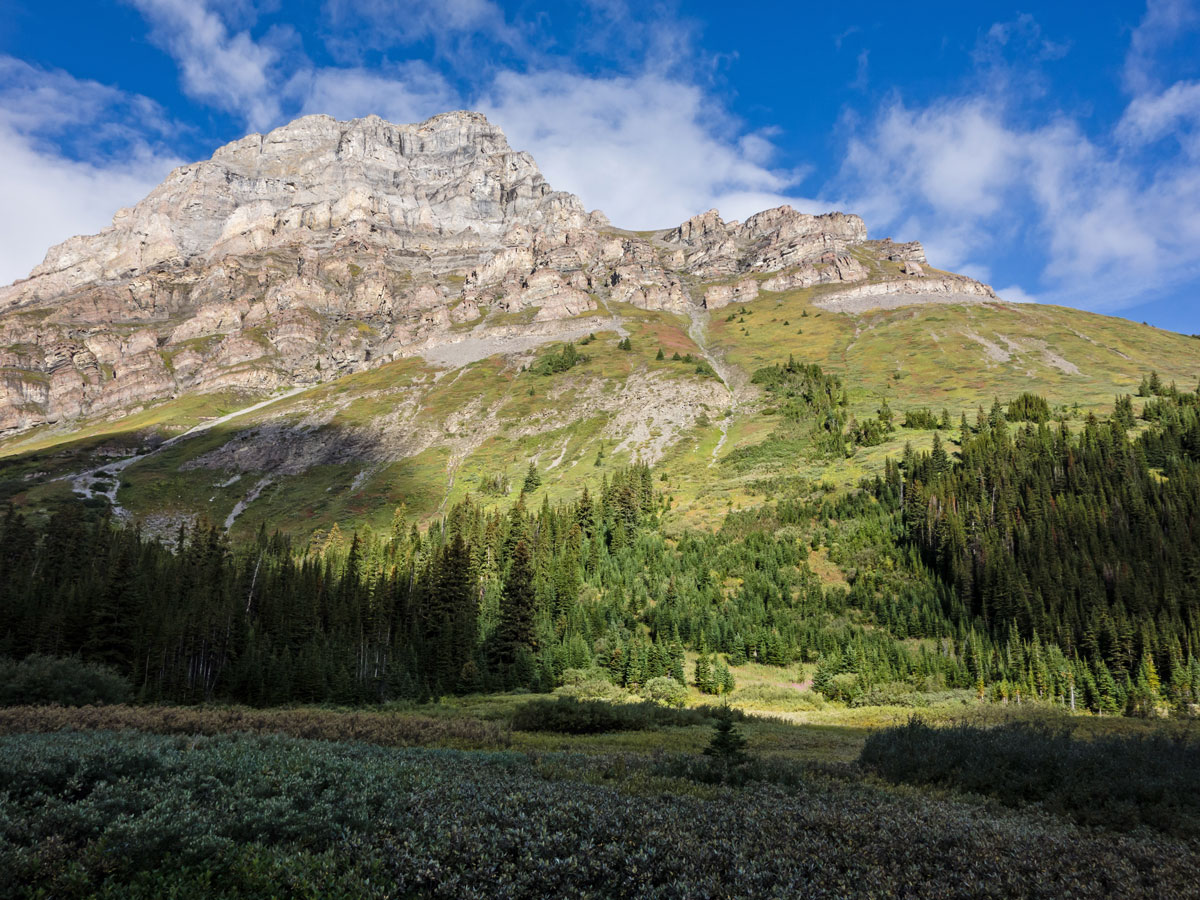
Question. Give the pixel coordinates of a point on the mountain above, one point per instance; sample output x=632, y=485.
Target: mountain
x=405, y=286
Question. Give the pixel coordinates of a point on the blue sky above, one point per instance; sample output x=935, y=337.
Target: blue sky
x=1052, y=153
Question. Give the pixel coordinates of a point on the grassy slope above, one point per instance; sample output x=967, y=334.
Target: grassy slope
x=491, y=418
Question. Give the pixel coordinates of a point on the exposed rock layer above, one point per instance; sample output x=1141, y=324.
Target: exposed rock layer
x=325, y=247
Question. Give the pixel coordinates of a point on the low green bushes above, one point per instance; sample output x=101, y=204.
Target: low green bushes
x=141, y=816
x=567, y=715
x=38, y=679
x=777, y=697
x=1116, y=782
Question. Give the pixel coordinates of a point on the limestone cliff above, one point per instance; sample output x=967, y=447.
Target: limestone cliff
x=325, y=247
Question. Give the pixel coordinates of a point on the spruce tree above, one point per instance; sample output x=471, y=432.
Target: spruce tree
x=703, y=678
x=533, y=480
x=517, y=605
x=728, y=746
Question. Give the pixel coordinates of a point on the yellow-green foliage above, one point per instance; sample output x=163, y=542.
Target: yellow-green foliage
x=492, y=418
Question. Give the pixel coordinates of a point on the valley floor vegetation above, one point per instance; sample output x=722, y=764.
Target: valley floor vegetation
x=107, y=814
x=169, y=720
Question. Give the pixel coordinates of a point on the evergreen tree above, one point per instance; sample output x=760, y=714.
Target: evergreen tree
x=703, y=679
x=533, y=480
x=517, y=605
x=728, y=746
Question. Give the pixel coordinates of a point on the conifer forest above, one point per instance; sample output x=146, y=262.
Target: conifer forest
x=1024, y=559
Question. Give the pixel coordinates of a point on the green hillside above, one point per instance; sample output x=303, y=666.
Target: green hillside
x=413, y=433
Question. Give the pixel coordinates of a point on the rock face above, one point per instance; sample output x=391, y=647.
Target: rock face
x=325, y=247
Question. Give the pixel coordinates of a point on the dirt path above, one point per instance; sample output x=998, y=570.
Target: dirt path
x=696, y=331
x=82, y=483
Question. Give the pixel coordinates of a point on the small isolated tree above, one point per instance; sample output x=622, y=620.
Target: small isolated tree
x=660, y=356
x=728, y=683
x=727, y=747
x=703, y=678
x=532, y=479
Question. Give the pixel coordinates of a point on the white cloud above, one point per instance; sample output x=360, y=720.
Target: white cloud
x=1164, y=21
x=1106, y=219
x=448, y=22
x=410, y=93
x=228, y=70
x=1153, y=116
x=649, y=150
x=49, y=195
x=1016, y=294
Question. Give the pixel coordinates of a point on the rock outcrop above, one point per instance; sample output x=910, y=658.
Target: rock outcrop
x=907, y=292
x=325, y=247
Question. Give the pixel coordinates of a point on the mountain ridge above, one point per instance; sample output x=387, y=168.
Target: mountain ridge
x=323, y=247
x=403, y=351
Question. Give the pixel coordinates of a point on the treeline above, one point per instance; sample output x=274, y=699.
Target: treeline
x=1020, y=561
x=1075, y=558
x=482, y=601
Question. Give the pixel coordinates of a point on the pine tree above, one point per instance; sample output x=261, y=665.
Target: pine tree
x=738, y=655
x=517, y=602
x=533, y=480
x=728, y=746
x=725, y=679
x=660, y=355
x=703, y=679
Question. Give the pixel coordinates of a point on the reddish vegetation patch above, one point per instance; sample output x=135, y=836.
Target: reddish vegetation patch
x=388, y=729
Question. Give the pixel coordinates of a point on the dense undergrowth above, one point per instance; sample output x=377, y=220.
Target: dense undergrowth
x=241, y=816
x=567, y=715
x=386, y=729
x=1116, y=782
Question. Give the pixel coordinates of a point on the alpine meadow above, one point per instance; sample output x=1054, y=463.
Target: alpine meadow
x=377, y=520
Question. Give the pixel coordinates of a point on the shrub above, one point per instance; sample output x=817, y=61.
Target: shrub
x=390, y=729
x=1117, y=782
x=249, y=817
x=665, y=690
x=566, y=715
x=589, y=684
x=1029, y=408
x=920, y=418
x=37, y=680
x=777, y=697
x=893, y=693
x=553, y=363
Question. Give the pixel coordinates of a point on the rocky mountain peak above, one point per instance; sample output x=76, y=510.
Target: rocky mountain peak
x=450, y=184
x=323, y=247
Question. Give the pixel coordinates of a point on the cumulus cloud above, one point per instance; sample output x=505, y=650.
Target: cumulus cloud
x=52, y=194
x=1107, y=217
x=1016, y=294
x=975, y=176
x=227, y=69
x=408, y=93
x=649, y=150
